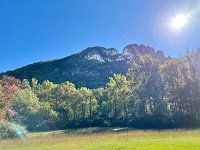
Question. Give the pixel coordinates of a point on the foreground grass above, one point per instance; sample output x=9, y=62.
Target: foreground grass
x=107, y=139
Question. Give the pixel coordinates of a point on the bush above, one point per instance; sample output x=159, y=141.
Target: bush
x=11, y=130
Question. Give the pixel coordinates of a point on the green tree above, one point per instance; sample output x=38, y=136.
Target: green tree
x=27, y=107
x=118, y=92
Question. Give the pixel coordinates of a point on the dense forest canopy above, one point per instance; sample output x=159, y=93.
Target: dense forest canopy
x=153, y=94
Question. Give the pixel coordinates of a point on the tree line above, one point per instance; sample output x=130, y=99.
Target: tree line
x=153, y=94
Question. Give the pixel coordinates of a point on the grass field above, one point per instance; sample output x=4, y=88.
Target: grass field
x=107, y=139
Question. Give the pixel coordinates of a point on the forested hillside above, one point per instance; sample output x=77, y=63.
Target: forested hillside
x=90, y=68
x=153, y=94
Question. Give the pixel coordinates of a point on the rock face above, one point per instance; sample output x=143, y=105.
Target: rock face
x=135, y=50
x=91, y=67
x=99, y=54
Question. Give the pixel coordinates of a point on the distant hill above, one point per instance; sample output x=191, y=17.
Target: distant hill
x=91, y=67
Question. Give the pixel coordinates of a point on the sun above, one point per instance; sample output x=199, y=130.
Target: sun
x=179, y=21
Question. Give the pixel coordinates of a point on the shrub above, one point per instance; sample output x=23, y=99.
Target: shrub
x=11, y=130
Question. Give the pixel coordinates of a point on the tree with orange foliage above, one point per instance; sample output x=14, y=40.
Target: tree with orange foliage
x=8, y=90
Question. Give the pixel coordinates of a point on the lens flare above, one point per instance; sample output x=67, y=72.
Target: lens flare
x=19, y=133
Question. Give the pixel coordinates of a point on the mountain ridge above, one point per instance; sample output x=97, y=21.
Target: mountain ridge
x=91, y=67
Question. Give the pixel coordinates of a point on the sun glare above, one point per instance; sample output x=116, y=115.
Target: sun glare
x=179, y=21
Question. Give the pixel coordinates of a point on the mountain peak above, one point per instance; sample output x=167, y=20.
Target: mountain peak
x=101, y=50
x=100, y=54
x=134, y=50
x=137, y=50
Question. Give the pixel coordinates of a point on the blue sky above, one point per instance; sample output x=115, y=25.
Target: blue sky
x=35, y=30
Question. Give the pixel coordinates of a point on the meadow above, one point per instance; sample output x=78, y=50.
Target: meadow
x=107, y=139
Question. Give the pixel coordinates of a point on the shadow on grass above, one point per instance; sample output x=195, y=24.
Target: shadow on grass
x=92, y=130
